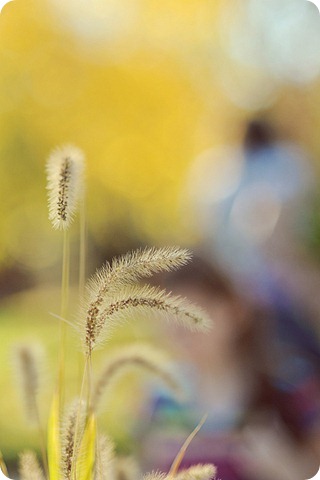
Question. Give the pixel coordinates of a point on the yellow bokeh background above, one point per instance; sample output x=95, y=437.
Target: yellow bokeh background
x=143, y=87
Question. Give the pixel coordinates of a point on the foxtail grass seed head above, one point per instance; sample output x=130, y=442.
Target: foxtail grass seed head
x=155, y=476
x=127, y=358
x=146, y=302
x=74, y=414
x=29, y=468
x=65, y=168
x=26, y=359
x=105, y=464
x=124, y=271
x=133, y=266
x=197, y=472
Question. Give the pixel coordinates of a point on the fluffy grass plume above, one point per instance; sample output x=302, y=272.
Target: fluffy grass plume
x=75, y=414
x=142, y=301
x=197, y=472
x=65, y=168
x=155, y=476
x=105, y=459
x=29, y=468
x=26, y=360
x=131, y=267
x=122, y=272
x=127, y=358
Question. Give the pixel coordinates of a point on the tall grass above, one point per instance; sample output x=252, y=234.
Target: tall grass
x=74, y=450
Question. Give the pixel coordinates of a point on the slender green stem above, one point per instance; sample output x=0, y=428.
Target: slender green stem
x=64, y=311
x=89, y=383
x=82, y=249
x=42, y=439
x=82, y=267
x=177, y=461
x=77, y=426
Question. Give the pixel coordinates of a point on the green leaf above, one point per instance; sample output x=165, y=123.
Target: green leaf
x=54, y=448
x=86, y=456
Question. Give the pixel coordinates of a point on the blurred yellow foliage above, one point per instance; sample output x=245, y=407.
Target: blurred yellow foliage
x=120, y=88
x=142, y=87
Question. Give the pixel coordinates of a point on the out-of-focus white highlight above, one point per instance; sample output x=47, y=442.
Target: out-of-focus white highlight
x=269, y=43
x=95, y=20
x=215, y=175
x=255, y=213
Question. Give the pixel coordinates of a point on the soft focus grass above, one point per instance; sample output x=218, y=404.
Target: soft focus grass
x=25, y=318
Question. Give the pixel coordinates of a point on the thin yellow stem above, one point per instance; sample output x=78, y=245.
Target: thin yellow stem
x=76, y=431
x=82, y=248
x=82, y=267
x=63, y=312
x=89, y=383
x=42, y=439
x=177, y=461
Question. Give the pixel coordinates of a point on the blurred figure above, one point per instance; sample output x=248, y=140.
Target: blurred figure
x=248, y=201
x=257, y=372
x=253, y=229
x=262, y=418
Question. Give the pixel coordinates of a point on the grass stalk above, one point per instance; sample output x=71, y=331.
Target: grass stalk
x=82, y=247
x=82, y=269
x=76, y=430
x=63, y=312
x=177, y=461
x=42, y=440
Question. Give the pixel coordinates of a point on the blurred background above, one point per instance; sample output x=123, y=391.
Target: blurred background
x=200, y=124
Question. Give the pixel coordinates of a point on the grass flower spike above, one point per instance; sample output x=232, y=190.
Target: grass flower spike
x=68, y=438
x=71, y=445
x=105, y=459
x=65, y=168
x=113, y=295
x=26, y=359
x=197, y=472
x=143, y=301
x=29, y=467
x=128, y=357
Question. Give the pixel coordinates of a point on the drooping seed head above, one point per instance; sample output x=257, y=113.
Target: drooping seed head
x=65, y=167
x=129, y=357
x=112, y=278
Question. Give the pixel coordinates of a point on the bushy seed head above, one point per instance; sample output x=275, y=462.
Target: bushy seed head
x=65, y=167
x=29, y=467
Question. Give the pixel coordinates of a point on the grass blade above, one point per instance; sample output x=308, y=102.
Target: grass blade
x=54, y=446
